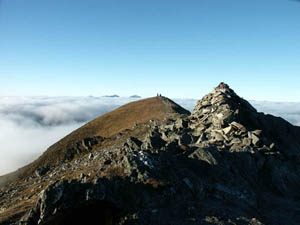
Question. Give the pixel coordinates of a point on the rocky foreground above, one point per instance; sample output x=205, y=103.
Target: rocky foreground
x=223, y=164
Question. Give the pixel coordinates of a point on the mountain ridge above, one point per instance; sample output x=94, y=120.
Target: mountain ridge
x=101, y=129
x=223, y=164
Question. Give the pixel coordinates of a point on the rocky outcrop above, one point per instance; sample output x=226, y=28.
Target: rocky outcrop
x=224, y=164
x=83, y=146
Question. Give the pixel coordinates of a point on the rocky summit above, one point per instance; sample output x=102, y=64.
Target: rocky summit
x=225, y=163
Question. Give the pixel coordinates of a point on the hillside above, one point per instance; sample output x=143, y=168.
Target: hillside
x=112, y=123
x=101, y=130
x=225, y=163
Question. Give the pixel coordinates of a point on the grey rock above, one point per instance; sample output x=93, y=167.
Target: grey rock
x=228, y=130
x=153, y=140
x=208, y=155
x=181, y=123
x=247, y=141
x=134, y=143
x=255, y=139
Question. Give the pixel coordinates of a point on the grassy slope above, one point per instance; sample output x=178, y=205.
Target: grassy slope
x=107, y=125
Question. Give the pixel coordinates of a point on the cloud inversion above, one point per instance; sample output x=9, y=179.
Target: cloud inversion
x=29, y=125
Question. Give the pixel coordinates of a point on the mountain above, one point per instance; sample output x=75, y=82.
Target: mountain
x=151, y=162
x=111, y=96
x=135, y=96
x=104, y=131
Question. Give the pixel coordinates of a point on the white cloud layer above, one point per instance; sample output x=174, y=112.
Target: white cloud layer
x=290, y=111
x=29, y=125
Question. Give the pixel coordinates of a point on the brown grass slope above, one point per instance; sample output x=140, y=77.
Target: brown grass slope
x=118, y=120
x=107, y=125
x=125, y=117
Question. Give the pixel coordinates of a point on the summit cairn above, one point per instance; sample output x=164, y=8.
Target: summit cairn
x=225, y=163
x=222, y=106
x=223, y=112
x=222, y=116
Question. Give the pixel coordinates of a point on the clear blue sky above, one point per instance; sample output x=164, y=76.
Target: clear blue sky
x=180, y=48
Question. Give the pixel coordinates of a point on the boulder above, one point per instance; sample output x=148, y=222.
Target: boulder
x=201, y=138
x=228, y=130
x=255, y=139
x=134, y=143
x=181, y=123
x=238, y=126
x=247, y=141
x=154, y=141
x=208, y=155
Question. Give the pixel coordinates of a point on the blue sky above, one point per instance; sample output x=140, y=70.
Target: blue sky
x=175, y=47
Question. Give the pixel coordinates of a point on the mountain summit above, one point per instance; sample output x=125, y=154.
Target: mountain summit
x=223, y=108
x=151, y=162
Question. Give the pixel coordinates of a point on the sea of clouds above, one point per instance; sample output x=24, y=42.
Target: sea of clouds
x=29, y=125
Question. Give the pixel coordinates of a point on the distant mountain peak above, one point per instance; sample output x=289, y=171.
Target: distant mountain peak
x=135, y=96
x=111, y=96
